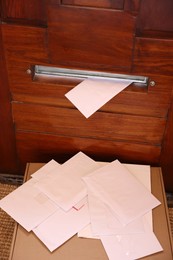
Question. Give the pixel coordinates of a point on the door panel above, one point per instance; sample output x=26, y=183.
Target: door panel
x=90, y=38
x=117, y=4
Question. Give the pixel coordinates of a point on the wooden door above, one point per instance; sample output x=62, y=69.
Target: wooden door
x=117, y=36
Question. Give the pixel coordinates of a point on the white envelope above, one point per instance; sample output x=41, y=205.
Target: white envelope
x=46, y=170
x=28, y=206
x=132, y=246
x=127, y=198
x=91, y=94
x=67, y=189
x=142, y=173
x=61, y=226
x=103, y=222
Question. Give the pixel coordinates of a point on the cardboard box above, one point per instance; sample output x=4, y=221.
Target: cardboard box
x=26, y=246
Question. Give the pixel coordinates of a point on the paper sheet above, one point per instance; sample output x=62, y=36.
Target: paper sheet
x=28, y=206
x=67, y=189
x=92, y=94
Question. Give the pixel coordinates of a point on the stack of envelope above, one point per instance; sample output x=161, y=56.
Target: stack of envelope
x=107, y=201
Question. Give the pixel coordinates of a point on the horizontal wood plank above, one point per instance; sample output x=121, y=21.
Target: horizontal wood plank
x=39, y=147
x=103, y=126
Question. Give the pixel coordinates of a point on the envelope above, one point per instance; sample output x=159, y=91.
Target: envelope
x=103, y=222
x=142, y=173
x=28, y=206
x=91, y=94
x=131, y=246
x=67, y=189
x=46, y=171
x=61, y=226
x=126, y=197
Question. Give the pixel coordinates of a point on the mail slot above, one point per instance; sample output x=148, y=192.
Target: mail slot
x=57, y=74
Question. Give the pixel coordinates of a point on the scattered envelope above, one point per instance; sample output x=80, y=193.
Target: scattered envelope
x=142, y=174
x=28, y=206
x=107, y=201
x=47, y=170
x=145, y=178
x=91, y=94
x=67, y=189
x=127, y=198
x=131, y=246
x=123, y=245
x=61, y=226
x=103, y=222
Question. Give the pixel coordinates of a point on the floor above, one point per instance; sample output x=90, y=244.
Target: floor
x=11, y=179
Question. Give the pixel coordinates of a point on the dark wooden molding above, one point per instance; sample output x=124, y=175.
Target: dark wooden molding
x=8, y=156
x=167, y=154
